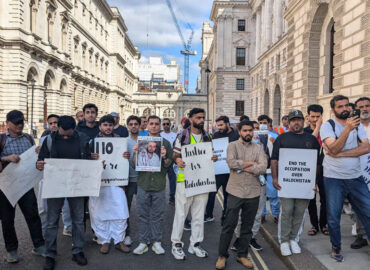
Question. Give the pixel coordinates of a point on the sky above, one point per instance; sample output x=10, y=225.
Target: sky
x=151, y=28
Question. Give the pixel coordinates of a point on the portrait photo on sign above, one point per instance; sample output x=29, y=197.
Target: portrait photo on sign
x=148, y=157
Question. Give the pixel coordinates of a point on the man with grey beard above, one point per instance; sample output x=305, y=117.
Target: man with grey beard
x=363, y=104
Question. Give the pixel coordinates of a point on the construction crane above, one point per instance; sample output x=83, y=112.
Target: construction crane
x=187, y=45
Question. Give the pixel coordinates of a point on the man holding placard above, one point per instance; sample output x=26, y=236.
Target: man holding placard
x=109, y=211
x=197, y=203
x=66, y=143
x=247, y=161
x=151, y=196
x=224, y=131
x=293, y=165
x=14, y=143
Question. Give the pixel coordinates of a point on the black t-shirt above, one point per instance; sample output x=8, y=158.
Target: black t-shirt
x=292, y=140
x=121, y=131
x=67, y=149
x=309, y=130
x=233, y=135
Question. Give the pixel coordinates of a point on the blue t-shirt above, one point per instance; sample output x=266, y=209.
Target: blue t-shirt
x=143, y=133
x=343, y=167
x=130, y=146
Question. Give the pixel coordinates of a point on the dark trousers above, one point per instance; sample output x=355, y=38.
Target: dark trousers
x=131, y=190
x=221, y=180
x=28, y=205
x=172, y=180
x=312, y=207
x=249, y=209
x=76, y=206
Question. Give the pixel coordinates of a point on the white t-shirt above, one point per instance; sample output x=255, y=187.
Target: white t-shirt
x=170, y=137
x=344, y=167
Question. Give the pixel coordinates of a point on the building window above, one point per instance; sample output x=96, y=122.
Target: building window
x=241, y=25
x=331, y=59
x=278, y=62
x=239, y=107
x=240, y=56
x=267, y=69
x=239, y=84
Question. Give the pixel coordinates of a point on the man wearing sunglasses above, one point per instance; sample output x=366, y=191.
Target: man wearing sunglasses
x=12, y=144
x=171, y=137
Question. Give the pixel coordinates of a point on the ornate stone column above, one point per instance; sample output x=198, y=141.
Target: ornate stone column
x=258, y=33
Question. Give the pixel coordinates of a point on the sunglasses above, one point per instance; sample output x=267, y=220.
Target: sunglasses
x=166, y=124
x=133, y=124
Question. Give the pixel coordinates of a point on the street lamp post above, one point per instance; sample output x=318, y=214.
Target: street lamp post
x=207, y=72
x=33, y=81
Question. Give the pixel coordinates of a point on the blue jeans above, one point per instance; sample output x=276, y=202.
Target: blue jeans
x=66, y=215
x=358, y=195
x=172, y=180
x=272, y=195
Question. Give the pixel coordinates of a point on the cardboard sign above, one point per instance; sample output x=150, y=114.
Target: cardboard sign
x=297, y=173
x=220, y=150
x=199, y=171
x=115, y=166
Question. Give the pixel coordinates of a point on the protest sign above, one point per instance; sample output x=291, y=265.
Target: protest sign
x=297, y=173
x=115, y=166
x=19, y=178
x=148, y=157
x=65, y=178
x=199, y=171
x=365, y=168
x=220, y=150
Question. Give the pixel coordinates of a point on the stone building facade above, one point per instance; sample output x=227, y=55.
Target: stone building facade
x=57, y=55
x=303, y=52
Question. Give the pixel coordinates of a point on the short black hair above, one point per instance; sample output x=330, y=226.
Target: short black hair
x=66, y=122
x=337, y=98
x=264, y=117
x=107, y=118
x=254, y=122
x=285, y=117
x=187, y=123
x=154, y=117
x=362, y=99
x=53, y=115
x=166, y=119
x=244, y=117
x=223, y=118
x=143, y=116
x=315, y=108
x=89, y=106
x=245, y=123
x=133, y=118
x=196, y=111
x=353, y=106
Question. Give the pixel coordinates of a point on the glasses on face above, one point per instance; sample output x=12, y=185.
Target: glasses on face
x=166, y=124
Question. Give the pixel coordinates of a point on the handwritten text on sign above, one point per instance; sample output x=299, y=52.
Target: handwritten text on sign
x=199, y=171
x=297, y=173
x=220, y=150
x=115, y=167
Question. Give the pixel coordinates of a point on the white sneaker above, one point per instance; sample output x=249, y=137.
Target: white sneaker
x=178, y=252
x=285, y=249
x=197, y=251
x=66, y=232
x=141, y=249
x=157, y=248
x=295, y=247
x=127, y=241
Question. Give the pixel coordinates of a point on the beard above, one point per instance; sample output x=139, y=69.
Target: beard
x=365, y=115
x=344, y=115
x=198, y=126
x=224, y=131
x=247, y=138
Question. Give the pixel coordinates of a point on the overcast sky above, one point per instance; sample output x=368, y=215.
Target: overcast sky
x=151, y=28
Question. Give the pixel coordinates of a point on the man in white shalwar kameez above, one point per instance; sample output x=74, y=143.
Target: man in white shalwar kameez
x=109, y=212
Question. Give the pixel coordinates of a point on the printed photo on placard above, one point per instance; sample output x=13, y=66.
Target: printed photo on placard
x=148, y=157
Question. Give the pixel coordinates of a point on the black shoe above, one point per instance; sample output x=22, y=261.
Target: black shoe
x=359, y=243
x=49, y=263
x=172, y=200
x=79, y=258
x=253, y=244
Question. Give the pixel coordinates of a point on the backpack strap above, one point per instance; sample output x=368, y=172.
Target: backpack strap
x=29, y=138
x=332, y=123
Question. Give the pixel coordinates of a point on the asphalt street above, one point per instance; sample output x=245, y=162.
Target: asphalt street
x=263, y=260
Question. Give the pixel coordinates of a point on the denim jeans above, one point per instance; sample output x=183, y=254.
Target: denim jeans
x=66, y=215
x=358, y=195
x=272, y=195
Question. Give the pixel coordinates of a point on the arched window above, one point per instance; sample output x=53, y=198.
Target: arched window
x=169, y=113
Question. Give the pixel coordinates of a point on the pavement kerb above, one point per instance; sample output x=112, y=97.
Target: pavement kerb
x=288, y=261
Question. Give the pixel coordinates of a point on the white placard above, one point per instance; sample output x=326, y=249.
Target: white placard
x=115, y=166
x=64, y=178
x=365, y=168
x=199, y=171
x=148, y=157
x=297, y=173
x=19, y=178
x=220, y=150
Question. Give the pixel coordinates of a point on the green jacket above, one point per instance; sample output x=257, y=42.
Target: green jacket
x=156, y=181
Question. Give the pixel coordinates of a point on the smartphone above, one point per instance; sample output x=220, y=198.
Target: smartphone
x=355, y=112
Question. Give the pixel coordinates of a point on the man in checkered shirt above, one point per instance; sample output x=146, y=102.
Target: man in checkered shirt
x=12, y=144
